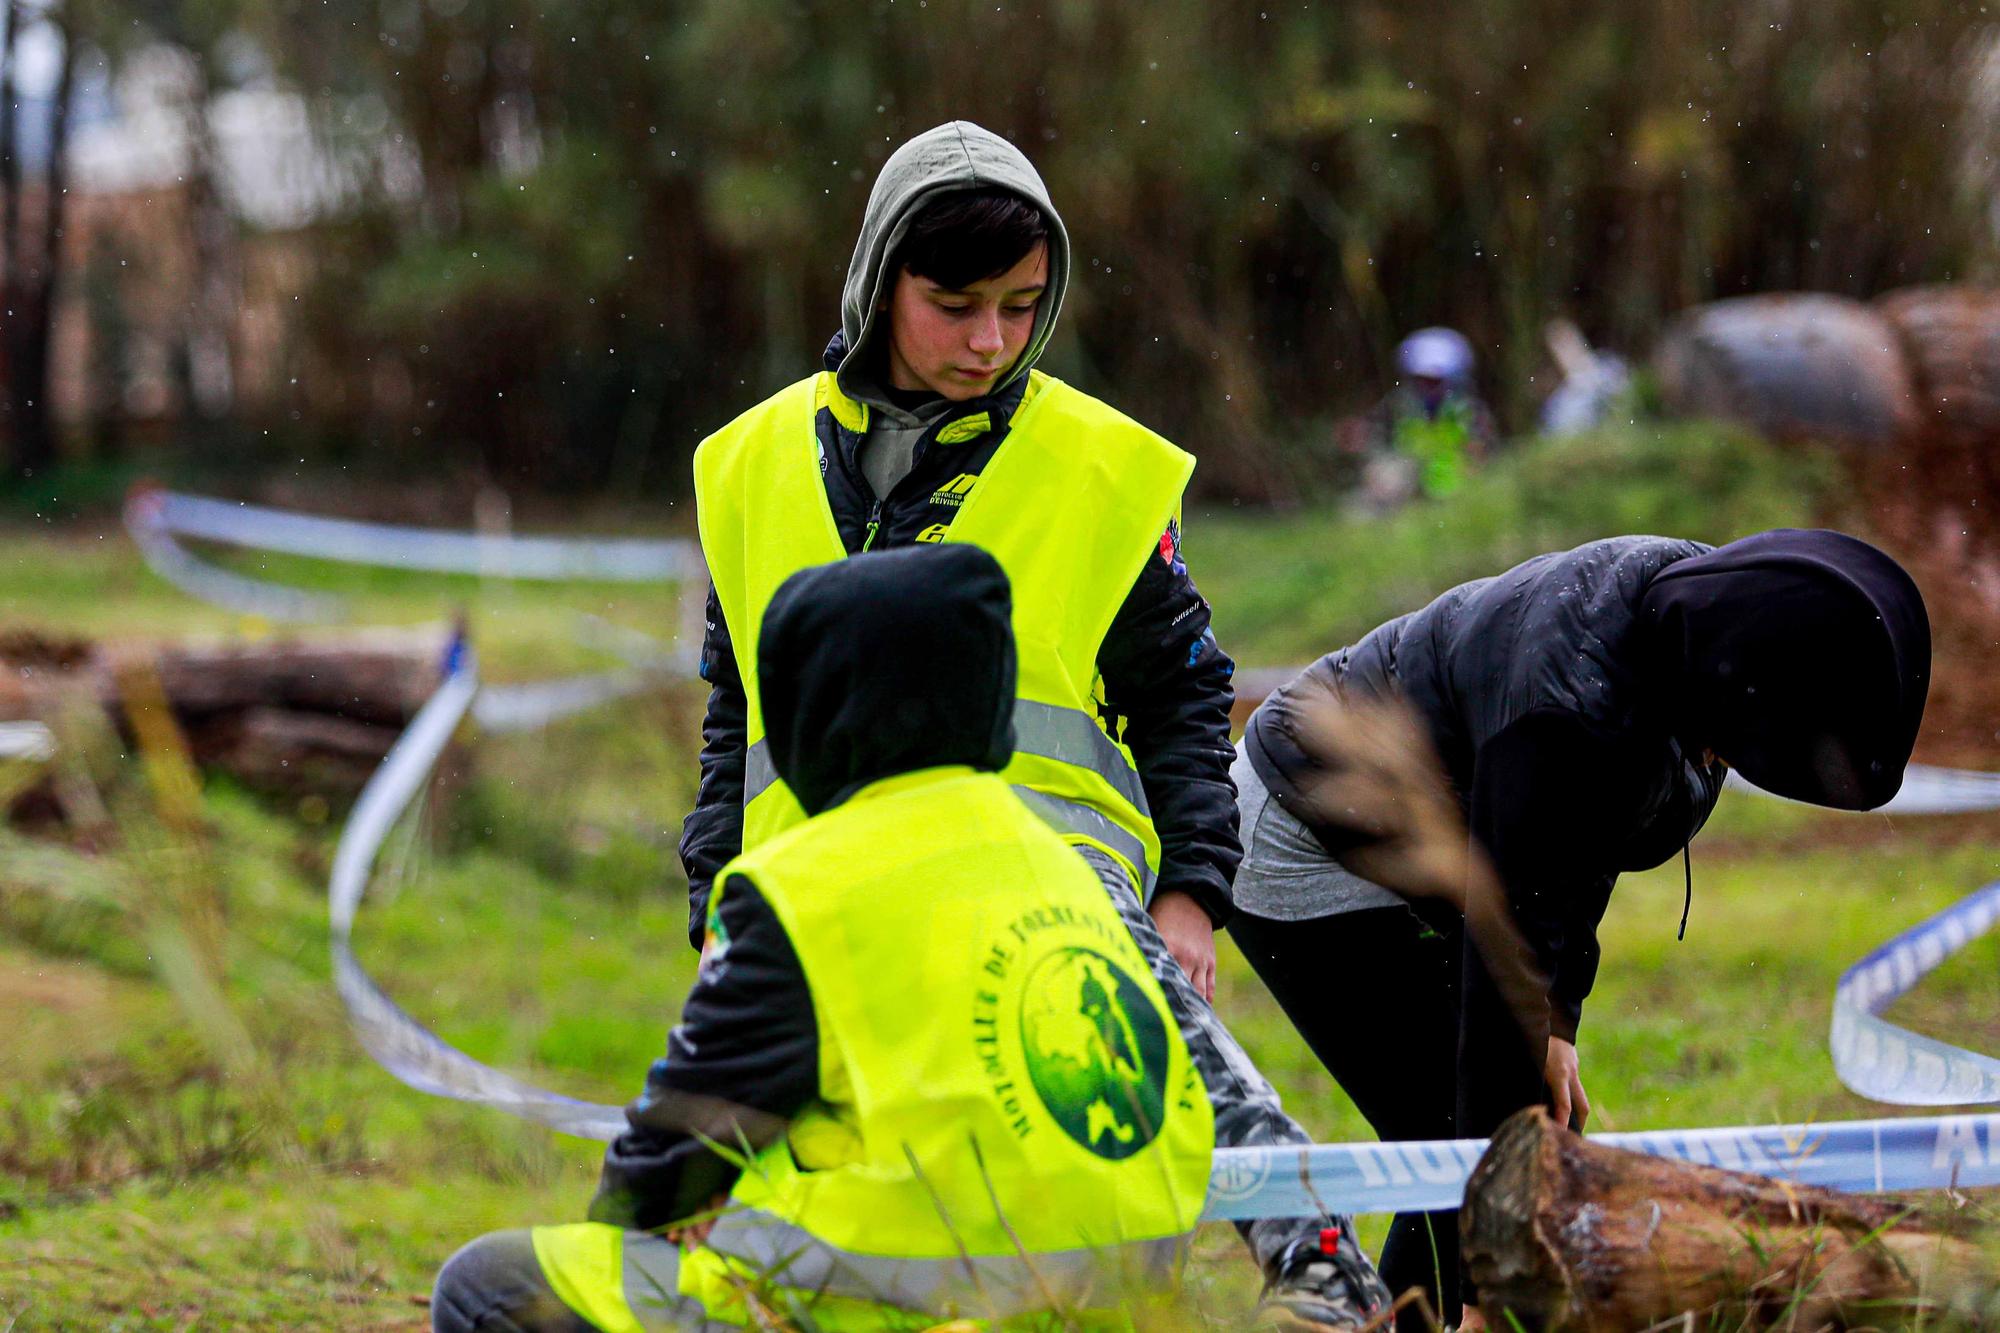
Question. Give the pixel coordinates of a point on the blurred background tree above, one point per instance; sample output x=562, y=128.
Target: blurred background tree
x=555, y=245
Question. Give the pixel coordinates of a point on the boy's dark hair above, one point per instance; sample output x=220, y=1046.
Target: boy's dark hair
x=959, y=239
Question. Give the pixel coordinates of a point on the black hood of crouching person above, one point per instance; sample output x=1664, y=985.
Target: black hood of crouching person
x=886, y=663
x=1801, y=657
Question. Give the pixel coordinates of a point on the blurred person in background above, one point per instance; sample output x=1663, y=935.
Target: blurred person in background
x=1595, y=386
x=1056, y=1148
x=1431, y=428
x=929, y=423
x=1581, y=710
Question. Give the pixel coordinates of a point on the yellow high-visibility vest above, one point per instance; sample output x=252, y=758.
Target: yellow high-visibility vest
x=1071, y=504
x=999, y=1072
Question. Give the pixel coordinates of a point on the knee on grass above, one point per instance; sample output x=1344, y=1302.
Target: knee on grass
x=495, y=1285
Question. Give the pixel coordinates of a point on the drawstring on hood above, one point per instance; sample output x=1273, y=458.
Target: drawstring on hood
x=1687, y=898
x=955, y=156
x=886, y=663
x=1800, y=657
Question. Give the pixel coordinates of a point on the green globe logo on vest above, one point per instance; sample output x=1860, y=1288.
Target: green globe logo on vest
x=1087, y=1038
x=1096, y=1051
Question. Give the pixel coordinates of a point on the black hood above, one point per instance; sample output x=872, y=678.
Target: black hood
x=1801, y=657
x=886, y=663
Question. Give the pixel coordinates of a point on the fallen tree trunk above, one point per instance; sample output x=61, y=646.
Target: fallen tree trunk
x=1567, y=1235
x=294, y=717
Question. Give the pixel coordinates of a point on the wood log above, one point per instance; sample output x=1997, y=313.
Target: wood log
x=373, y=676
x=1568, y=1235
x=295, y=716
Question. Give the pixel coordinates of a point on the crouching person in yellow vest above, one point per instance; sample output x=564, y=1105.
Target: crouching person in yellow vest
x=924, y=1058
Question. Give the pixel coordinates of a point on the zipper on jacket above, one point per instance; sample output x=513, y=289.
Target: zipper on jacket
x=874, y=525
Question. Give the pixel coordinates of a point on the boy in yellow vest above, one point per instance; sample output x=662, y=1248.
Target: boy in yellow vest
x=931, y=425
x=961, y=1090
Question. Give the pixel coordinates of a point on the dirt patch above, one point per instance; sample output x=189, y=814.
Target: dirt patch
x=1935, y=505
x=28, y=984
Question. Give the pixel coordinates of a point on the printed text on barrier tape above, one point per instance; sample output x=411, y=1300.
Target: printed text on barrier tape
x=1928, y=1152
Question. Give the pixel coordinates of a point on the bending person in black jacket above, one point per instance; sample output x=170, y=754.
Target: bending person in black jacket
x=1585, y=706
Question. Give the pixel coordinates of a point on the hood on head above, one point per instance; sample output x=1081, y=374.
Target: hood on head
x=1801, y=657
x=955, y=156
x=885, y=663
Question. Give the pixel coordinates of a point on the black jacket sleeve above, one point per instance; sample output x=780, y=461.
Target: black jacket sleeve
x=1164, y=674
x=1576, y=965
x=712, y=834
x=742, y=1062
x=1548, y=798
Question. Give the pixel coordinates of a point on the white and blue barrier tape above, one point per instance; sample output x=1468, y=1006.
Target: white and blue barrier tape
x=145, y=523
x=398, y=1042
x=1928, y=1152
x=438, y=551
x=1888, y=1063
x=1925, y=791
x=155, y=518
x=30, y=741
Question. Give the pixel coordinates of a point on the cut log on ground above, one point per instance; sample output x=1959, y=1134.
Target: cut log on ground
x=1568, y=1235
x=295, y=717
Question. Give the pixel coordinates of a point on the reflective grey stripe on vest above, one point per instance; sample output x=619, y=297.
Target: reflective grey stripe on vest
x=650, y=1274
x=757, y=771
x=797, y=1263
x=1072, y=817
x=1069, y=737
x=1044, y=730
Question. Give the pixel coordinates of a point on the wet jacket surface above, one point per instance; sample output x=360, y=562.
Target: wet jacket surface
x=1530, y=685
x=1578, y=702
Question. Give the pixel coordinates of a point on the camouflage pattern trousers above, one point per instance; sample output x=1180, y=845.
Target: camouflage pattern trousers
x=1247, y=1111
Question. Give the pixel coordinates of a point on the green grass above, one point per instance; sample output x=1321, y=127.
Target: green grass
x=189, y=1135
x=1288, y=587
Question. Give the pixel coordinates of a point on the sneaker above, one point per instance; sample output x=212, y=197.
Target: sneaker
x=1323, y=1283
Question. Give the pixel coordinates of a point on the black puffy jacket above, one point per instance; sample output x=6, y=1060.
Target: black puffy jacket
x=1579, y=702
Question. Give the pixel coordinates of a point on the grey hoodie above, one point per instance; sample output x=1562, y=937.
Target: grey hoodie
x=955, y=156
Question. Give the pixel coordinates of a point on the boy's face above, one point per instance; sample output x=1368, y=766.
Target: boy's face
x=958, y=343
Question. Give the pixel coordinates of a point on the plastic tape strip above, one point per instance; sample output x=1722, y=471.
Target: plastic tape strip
x=1888, y=1063
x=1928, y=1152
x=398, y=1042
x=26, y=740
x=532, y=706
x=205, y=582
x=617, y=560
